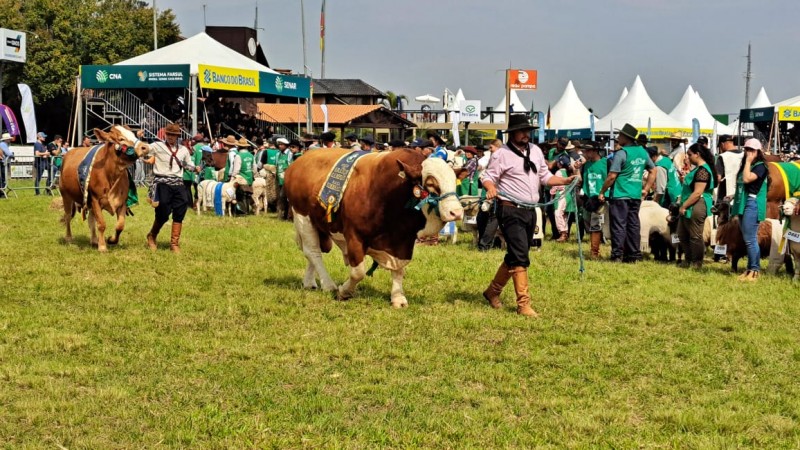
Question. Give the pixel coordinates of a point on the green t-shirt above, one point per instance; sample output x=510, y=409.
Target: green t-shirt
x=594, y=175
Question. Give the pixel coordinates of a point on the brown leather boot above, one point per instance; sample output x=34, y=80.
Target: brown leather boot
x=492, y=293
x=153, y=234
x=174, y=241
x=520, y=277
x=564, y=237
x=596, y=237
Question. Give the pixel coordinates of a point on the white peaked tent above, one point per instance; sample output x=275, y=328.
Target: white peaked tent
x=569, y=113
x=761, y=100
x=623, y=95
x=691, y=106
x=460, y=97
x=794, y=101
x=198, y=49
x=636, y=109
x=516, y=104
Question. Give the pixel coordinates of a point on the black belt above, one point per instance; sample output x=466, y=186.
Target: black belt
x=516, y=205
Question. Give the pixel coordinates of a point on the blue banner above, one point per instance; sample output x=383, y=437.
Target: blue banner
x=591, y=124
x=695, y=130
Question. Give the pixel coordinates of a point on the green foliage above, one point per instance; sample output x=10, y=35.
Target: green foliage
x=64, y=34
x=392, y=100
x=220, y=348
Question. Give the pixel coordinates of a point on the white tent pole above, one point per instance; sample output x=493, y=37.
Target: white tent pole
x=79, y=113
x=193, y=84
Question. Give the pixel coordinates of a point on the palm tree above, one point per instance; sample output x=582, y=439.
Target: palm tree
x=394, y=101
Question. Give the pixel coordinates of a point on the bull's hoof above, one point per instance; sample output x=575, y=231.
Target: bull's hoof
x=102, y=249
x=400, y=303
x=68, y=240
x=343, y=296
x=112, y=242
x=330, y=287
x=310, y=286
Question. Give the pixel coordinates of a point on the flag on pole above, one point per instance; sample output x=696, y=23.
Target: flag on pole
x=28, y=114
x=324, y=109
x=10, y=120
x=649, y=128
x=695, y=130
x=541, y=127
x=591, y=124
x=322, y=27
x=547, y=120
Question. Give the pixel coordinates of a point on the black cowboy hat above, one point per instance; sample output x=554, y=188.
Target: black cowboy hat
x=519, y=122
x=642, y=139
x=629, y=131
x=368, y=139
x=439, y=139
x=591, y=146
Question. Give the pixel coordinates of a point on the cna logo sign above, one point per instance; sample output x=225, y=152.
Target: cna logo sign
x=102, y=76
x=279, y=84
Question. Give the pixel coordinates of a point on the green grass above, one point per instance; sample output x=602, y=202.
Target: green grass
x=220, y=348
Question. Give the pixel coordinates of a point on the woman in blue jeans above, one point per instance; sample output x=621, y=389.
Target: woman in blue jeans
x=750, y=203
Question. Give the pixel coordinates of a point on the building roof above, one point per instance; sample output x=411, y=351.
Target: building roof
x=357, y=116
x=345, y=88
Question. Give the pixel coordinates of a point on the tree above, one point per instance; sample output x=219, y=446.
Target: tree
x=65, y=34
x=393, y=101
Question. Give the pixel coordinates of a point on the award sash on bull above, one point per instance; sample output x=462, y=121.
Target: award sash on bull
x=330, y=196
x=85, y=174
x=790, y=172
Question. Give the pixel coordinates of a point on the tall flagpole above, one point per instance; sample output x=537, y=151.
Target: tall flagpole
x=322, y=38
x=155, y=28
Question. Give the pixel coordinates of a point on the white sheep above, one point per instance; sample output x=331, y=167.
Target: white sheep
x=208, y=190
x=260, y=191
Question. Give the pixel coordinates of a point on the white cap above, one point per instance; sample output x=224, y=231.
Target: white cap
x=753, y=143
x=282, y=141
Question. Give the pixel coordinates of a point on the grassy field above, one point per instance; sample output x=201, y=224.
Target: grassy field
x=220, y=348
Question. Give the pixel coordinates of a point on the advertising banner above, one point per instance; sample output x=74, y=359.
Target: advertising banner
x=522, y=79
x=132, y=77
x=14, y=45
x=470, y=111
x=285, y=85
x=28, y=114
x=789, y=113
x=757, y=115
x=228, y=79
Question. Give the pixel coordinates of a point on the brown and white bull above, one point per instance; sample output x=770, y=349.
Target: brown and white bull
x=373, y=218
x=107, y=185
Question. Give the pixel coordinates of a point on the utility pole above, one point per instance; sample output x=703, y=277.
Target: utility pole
x=305, y=64
x=155, y=28
x=747, y=77
x=204, y=17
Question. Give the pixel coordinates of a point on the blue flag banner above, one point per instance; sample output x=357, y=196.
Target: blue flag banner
x=330, y=196
x=591, y=125
x=695, y=130
x=649, y=128
x=541, y=127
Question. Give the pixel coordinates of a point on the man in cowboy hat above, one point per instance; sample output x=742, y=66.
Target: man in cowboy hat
x=438, y=144
x=352, y=142
x=593, y=173
x=367, y=143
x=168, y=193
x=233, y=163
x=677, y=153
x=245, y=160
x=469, y=181
x=514, y=177
x=625, y=175
x=5, y=158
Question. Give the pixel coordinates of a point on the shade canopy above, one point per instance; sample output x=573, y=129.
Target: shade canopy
x=427, y=98
x=691, y=106
x=194, y=51
x=639, y=110
x=569, y=113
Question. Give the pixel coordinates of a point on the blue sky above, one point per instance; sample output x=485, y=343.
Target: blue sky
x=414, y=47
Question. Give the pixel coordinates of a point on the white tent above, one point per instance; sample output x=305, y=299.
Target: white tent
x=198, y=49
x=516, y=107
x=622, y=96
x=636, y=109
x=569, y=113
x=460, y=97
x=794, y=101
x=691, y=106
x=761, y=100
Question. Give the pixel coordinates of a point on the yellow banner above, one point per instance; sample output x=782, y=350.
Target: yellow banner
x=227, y=79
x=789, y=113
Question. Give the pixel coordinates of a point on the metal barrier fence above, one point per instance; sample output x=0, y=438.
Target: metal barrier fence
x=142, y=174
x=28, y=173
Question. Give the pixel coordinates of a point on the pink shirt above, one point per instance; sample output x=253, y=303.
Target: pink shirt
x=508, y=174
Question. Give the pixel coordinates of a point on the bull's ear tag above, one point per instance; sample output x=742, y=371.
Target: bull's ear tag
x=401, y=174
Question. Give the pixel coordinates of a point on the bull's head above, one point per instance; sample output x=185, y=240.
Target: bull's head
x=125, y=141
x=439, y=200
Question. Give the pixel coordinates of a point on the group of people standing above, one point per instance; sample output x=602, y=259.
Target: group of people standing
x=519, y=174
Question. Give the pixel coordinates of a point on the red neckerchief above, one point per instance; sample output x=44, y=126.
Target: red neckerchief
x=174, y=154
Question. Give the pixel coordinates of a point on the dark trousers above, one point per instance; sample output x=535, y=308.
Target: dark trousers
x=2, y=175
x=39, y=167
x=690, y=232
x=550, y=210
x=487, y=229
x=189, y=184
x=283, y=204
x=517, y=225
x=171, y=200
x=625, y=229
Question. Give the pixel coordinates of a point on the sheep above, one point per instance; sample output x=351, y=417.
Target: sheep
x=260, y=191
x=205, y=195
x=208, y=190
x=769, y=235
x=656, y=232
